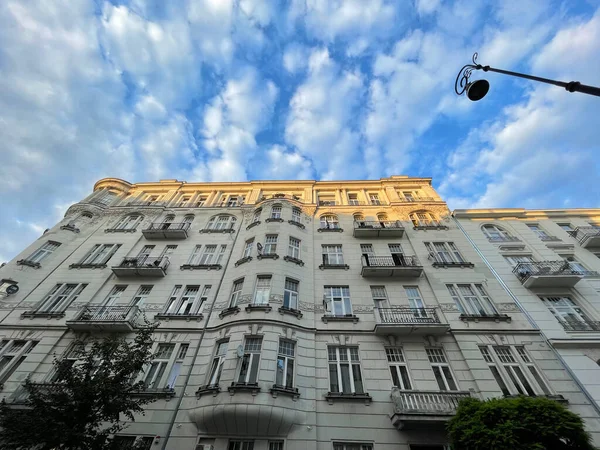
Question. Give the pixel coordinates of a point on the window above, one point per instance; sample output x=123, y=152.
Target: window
x=167, y=222
x=374, y=199
x=494, y=369
x=168, y=250
x=332, y=255
x=330, y=221
x=537, y=230
x=285, y=364
x=380, y=298
x=517, y=259
x=472, y=299
x=275, y=445
x=70, y=357
x=326, y=200
x=349, y=446
x=223, y=222
x=158, y=367
x=208, y=254
x=99, y=254
x=566, y=311
x=12, y=354
x=188, y=219
x=444, y=252
x=129, y=222
x=221, y=254
x=133, y=442
x=415, y=300
x=236, y=292
x=398, y=367
x=344, y=370
x=263, y=290
x=396, y=249
x=296, y=214
x=183, y=201
x=256, y=216
x=176, y=367
x=217, y=363
x=575, y=265
x=495, y=233
x=358, y=217
x=441, y=369
x=524, y=356
x=248, y=248
x=408, y=196
x=145, y=252
x=367, y=249
x=294, y=248
x=337, y=300
x=512, y=368
x=353, y=199
x=423, y=219
x=5, y=284
x=201, y=201
x=141, y=295
x=186, y=301
x=290, y=294
x=241, y=445
x=195, y=256
x=114, y=295
x=250, y=360
x=43, y=252
x=60, y=297
x=270, y=244
x=566, y=226
x=276, y=212
x=382, y=217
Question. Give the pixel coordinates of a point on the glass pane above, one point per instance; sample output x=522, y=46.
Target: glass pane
x=514, y=381
x=289, y=380
x=395, y=378
x=499, y=380
x=254, y=368
x=405, y=377
x=345, y=378
x=333, y=378
x=244, y=368
x=451, y=384
x=280, y=371
x=439, y=378
x=173, y=374
x=539, y=380
x=524, y=381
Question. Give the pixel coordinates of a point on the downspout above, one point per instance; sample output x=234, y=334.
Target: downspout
x=189, y=374
x=529, y=318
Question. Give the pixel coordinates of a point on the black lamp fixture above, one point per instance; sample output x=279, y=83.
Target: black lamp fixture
x=477, y=89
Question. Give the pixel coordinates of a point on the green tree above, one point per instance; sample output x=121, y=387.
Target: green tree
x=86, y=403
x=521, y=423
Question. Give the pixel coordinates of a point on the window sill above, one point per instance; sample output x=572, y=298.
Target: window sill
x=211, y=230
x=36, y=314
x=120, y=230
x=187, y=317
x=490, y=318
x=274, y=219
x=24, y=262
x=253, y=388
x=264, y=308
x=253, y=224
x=334, y=266
x=292, y=392
x=268, y=256
x=453, y=264
x=87, y=266
x=430, y=227
x=298, y=224
x=557, y=397
x=239, y=262
x=346, y=318
x=229, y=311
x=331, y=396
x=167, y=393
x=330, y=230
x=212, y=389
x=292, y=312
x=68, y=228
x=201, y=267
x=293, y=260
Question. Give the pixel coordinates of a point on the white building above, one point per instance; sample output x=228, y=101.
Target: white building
x=294, y=314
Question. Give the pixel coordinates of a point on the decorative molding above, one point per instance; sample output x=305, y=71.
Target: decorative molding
x=449, y=307
x=508, y=307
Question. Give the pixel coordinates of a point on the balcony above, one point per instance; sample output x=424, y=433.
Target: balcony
x=167, y=231
x=106, y=318
x=580, y=325
x=547, y=274
x=588, y=237
x=386, y=229
x=398, y=266
x=428, y=225
x=142, y=266
x=402, y=320
x=424, y=409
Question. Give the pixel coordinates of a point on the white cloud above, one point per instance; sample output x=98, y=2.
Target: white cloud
x=295, y=57
x=283, y=164
x=426, y=7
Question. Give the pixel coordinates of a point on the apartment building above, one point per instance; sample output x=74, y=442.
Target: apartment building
x=342, y=315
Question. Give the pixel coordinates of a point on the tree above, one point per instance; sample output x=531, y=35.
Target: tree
x=86, y=401
x=521, y=423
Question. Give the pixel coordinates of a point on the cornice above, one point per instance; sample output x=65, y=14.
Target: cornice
x=519, y=213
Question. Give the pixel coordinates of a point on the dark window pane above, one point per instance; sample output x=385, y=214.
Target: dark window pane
x=499, y=380
x=333, y=378
x=358, y=385
x=523, y=379
x=289, y=382
x=395, y=378
x=254, y=369
x=451, y=384
x=345, y=378
x=439, y=378
x=405, y=377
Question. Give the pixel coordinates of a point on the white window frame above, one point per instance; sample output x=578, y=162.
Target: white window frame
x=270, y=247
x=236, y=292
x=296, y=214
x=476, y=303
x=141, y=295
x=195, y=256
x=444, y=252
x=252, y=353
x=340, y=356
x=415, y=300
x=353, y=201
x=398, y=368
x=332, y=254
x=380, y=297
x=176, y=366
x=100, y=254
x=248, y=248
x=56, y=301
x=374, y=199
x=276, y=212
x=446, y=380
x=367, y=249
x=187, y=297
x=286, y=353
x=514, y=260
x=43, y=252
x=539, y=231
x=338, y=300
x=114, y=295
x=208, y=254
x=329, y=221
x=423, y=219
x=11, y=358
x=163, y=361
x=237, y=444
x=513, y=371
x=351, y=446
x=262, y=290
x=221, y=222
x=294, y=247
x=129, y=222
x=493, y=231
x=290, y=296
x=218, y=360
x=565, y=309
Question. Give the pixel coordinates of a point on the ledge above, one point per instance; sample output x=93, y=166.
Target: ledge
x=490, y=318
x=210, y=230
x=212, y=389
x=157, y=393
x=431, y=227
x=253, y=388
x=298, y=224
x=334, y=266
x=292, y=312
x=229, y=311
x=330, y=230
x=50, y=315
x=265, y=308
x=268, y=256
x=347, y=318
x=243, y=260
x=556, y=397
x=87, y=266
x=68, y=228
x=25, y=262
x=253, y=224
x=274, y=219
x=201, y=267
x=119, y=230
x=331, y=396
x=292, y=392
x=294, y=260
x=187, y=317
x=453, y=264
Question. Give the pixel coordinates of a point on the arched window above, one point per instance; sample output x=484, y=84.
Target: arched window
x=382, y=217
x=86, y=215
x=329, y=221
x=358, y=217
x=496, y=233
x=257, y=214
x=129, y=222
x=222, y=222
x=188, y=218
x=276, y=211
x=423, y=219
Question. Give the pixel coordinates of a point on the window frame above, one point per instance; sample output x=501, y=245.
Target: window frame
x=187, y=296
x=440, y=364
x=141, y=294
x=49, y=303
x=468, y=304
x=217, y=362
x=352, y=363
x=294, y=250
x=264, y=290
x=329, y=222
x=276, y=211
x=291, y=295
x=43, y=252
x=250, y=355
x=16, y=358
x=286, y=358
x=248, y=245
x=236, y=292
x=398, y=367
x=332, y=251
x=343, y=300
x=270, y=247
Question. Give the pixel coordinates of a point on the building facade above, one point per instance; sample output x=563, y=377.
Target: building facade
x=346, y=315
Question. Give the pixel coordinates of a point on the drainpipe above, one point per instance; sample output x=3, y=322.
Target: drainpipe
x=530, y=318
x=189, y=374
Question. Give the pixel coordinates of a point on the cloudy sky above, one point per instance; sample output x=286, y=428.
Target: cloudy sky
x=211, y=90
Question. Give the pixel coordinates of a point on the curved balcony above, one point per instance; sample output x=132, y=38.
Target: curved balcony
x=371, y=228
x=167, y=231
x=398, y=266
x=547, y=274
x=401, y=320
x=108, y=318
x=143, y=266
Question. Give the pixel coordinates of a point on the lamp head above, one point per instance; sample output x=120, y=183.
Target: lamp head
x=477, y=89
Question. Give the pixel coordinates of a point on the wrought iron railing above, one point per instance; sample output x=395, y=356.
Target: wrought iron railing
x=580, y=325
x=582, y=233
x=137, y=262
x=168, y=226
x=427, y=402
x=368, y=224
x=108, y=314
x=401, y=315
x=525, y=270
x=390, y=261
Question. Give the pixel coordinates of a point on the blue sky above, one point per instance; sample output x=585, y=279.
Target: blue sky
x=210, y=90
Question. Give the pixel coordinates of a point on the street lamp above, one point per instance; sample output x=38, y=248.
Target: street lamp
x=477, y=89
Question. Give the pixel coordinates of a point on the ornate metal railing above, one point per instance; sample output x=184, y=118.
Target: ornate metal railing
x=390, y=261
x=367, y=224
x=144, y=262
x=401, y=315
x=108, y=314
x=525, y=270
x=582, y=233
x=577, y=325
x=426, y=402
x=165, y=226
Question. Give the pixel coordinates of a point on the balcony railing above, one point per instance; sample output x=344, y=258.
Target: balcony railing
x=372, y=228
x=429, y=225
x=547, y=274
x=278, y=196
x=400, y=315
x=368, y=203
x=587, y=236
x=114, y=318
x=396, y=265
x=167, y=230
x=580, y=325
x=505, y=238
x=143, y=266
x=414, y=407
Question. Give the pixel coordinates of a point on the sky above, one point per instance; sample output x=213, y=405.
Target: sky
x=234, y=90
